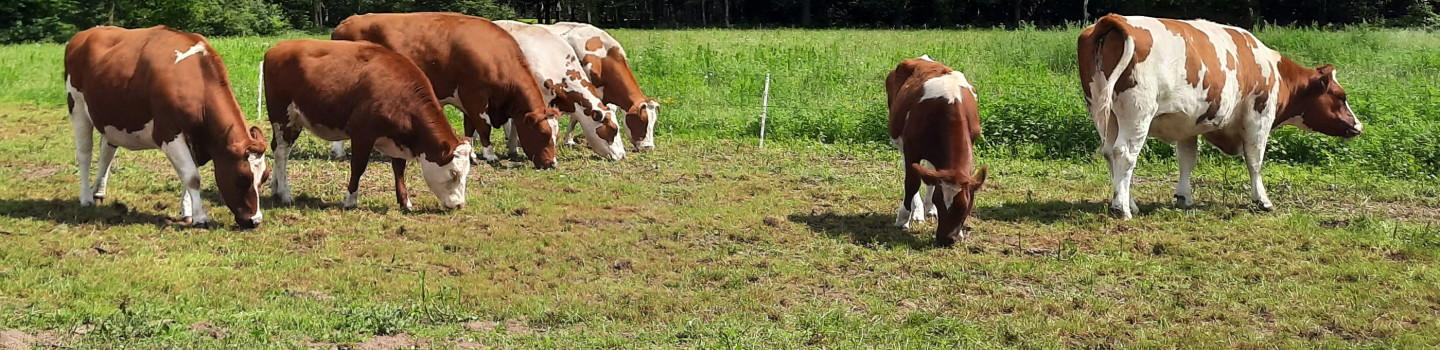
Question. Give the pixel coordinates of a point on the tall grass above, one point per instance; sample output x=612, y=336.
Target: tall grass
x=827, y=86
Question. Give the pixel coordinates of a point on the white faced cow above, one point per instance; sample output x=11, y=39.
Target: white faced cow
x=161, y=88
x=376, y=98
x=1175, y=80
x=567, y=88
x=933, y=118
x=605, y=62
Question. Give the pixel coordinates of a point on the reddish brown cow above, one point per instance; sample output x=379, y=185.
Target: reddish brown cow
x=372, y=96
x=933, y=118
x=473, y=65
x=1176, y=80
x=162, y=88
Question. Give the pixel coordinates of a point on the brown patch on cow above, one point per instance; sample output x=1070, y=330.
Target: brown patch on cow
x=594, y=44
x=1249, y=76
x=1230, y=144
x=1200, y=54
x=1107, y=38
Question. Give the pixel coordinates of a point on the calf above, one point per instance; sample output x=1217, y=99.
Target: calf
x=604, y=61
x=568, y=89
x=162, y=88
x=1175, y=80
x=933, y=118
x=473, y=65
x=370, y=95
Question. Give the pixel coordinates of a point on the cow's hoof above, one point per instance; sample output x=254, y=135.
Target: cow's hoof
x=1183, y=202
x=571, y=143
x=1120, y=213
x=1264, y=206
x=84, y=203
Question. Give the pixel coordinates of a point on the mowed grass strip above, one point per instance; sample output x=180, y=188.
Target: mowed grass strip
x=714, y=243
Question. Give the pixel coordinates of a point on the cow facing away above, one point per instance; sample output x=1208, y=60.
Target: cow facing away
x=1176, y=80
x=370, y=95
x=161, y=88
x=566, y=87
x=934, y=119
x=475, y=66
x=604, y=61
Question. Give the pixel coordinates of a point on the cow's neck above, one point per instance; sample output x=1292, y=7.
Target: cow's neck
x=959, y=156
x=226, y=130
x=433, y=137
x=1294, y=81
x=620, y=82
x=525, y=98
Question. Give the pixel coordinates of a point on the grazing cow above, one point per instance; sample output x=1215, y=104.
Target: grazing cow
x=1175, y=80
x=372, y=96
x=566, y=88
x=933, y=118
x=473, y=65
x=162, y=88
x=604, y=60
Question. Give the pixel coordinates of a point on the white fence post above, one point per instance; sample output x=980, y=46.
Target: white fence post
x=764, y=109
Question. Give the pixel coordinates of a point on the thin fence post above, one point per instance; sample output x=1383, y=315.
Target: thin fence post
x=764, y=109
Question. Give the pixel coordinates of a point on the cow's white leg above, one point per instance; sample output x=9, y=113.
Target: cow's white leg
x=280, y=179
x=487, y=152
x=337, y=150
x=1254, y=157
x=102, y=179
x=512, y=140
x=1186, y=151
x=910, y=203
x=928, y=200
x=191, y=206
x=84, y=147
x=570, y=132
x=1123, y=159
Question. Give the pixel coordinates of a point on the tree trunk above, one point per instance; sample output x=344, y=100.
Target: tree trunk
x=727, y=13
x=704, y=20
x=1085, y=10
x=319, y=20
x=112, y=12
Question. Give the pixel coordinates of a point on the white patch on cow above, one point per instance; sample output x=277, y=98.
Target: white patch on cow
x=280, y=182
x=388, y=147
x=926, y=57
x=949, y=191
x=323, y=132
x=352, y=200
x=554, y=131
x=448, y=181
x=181, y=158
x=453, y=100
x=489, y=154
x=135, y=140
x=1297, y=121
x=948, y=87
x=1358, y=126
x=198, y=48
x=257, y=171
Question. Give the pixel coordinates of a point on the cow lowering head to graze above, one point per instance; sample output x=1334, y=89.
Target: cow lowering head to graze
x=566, y=87
x=370, y=95
x=1176, y=80
x=475, y=66
x=162, y=88
x=933, y=118
x=604, y=61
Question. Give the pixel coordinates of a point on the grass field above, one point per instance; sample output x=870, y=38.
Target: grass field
x=712, y=242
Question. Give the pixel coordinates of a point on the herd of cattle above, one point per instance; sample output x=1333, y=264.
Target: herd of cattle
x=383, y=78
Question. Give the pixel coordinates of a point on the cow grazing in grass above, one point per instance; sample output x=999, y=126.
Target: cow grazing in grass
x=370, y=95
x=162, y=88
x=933, y=118
x=604, y=60
x=566, y=87
x=475, y=66
x=1175, y=80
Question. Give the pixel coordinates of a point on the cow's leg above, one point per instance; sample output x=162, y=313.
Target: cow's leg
x=102, y=179
x=512, y=140
x=192, y=207
x=337, y=150
x=479, y=129
x=1186, y=151
x=84, y=149
x=284, y=142
x=1124, y=155
x=910, y=203
x=1254, y=157
x=928, y=201
x=570, y=132
x=402, y=196
x=359, y=158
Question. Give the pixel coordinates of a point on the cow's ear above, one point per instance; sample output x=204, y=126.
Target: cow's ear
x=978, y=180
x=1327, y=72
x=257, y=140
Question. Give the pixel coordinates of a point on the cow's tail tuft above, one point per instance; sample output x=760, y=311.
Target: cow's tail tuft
x=1104, y=99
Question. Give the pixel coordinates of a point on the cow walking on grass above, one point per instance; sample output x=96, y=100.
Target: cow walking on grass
x=933, y=118
x=162, y=88
x=372, y=96
x=1176, y=80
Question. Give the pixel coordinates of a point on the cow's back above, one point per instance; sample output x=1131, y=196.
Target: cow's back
x=928, y=97
x=129, y=77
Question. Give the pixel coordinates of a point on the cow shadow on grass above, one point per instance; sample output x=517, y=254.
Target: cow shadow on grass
x=68, y=211
x=869, y=229
x=1050, y=212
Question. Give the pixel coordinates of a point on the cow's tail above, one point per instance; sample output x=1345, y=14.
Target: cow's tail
x=260, y=92
x=1108, y=28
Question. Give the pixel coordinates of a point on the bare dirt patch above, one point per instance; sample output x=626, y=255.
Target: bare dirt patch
x=17, y=340
x=210, y=330
x=387, y=342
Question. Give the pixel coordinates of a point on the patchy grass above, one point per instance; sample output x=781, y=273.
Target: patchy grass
x=714, y=243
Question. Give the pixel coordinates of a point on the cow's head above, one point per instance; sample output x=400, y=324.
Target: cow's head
x=239, y=172
x=640, y=124
x=446, y=177
x=602, y=131
x=1322, y=106
x=954, y=201
x=538, y=135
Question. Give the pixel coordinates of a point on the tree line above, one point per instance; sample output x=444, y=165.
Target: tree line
x=57, y=20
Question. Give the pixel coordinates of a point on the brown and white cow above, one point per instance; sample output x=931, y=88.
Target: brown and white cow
x=604, y=60
x=161, y=88
x=473, y=65
x=933, y=118
x=566, y=87
x=1175, y=80
x=370, y=95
